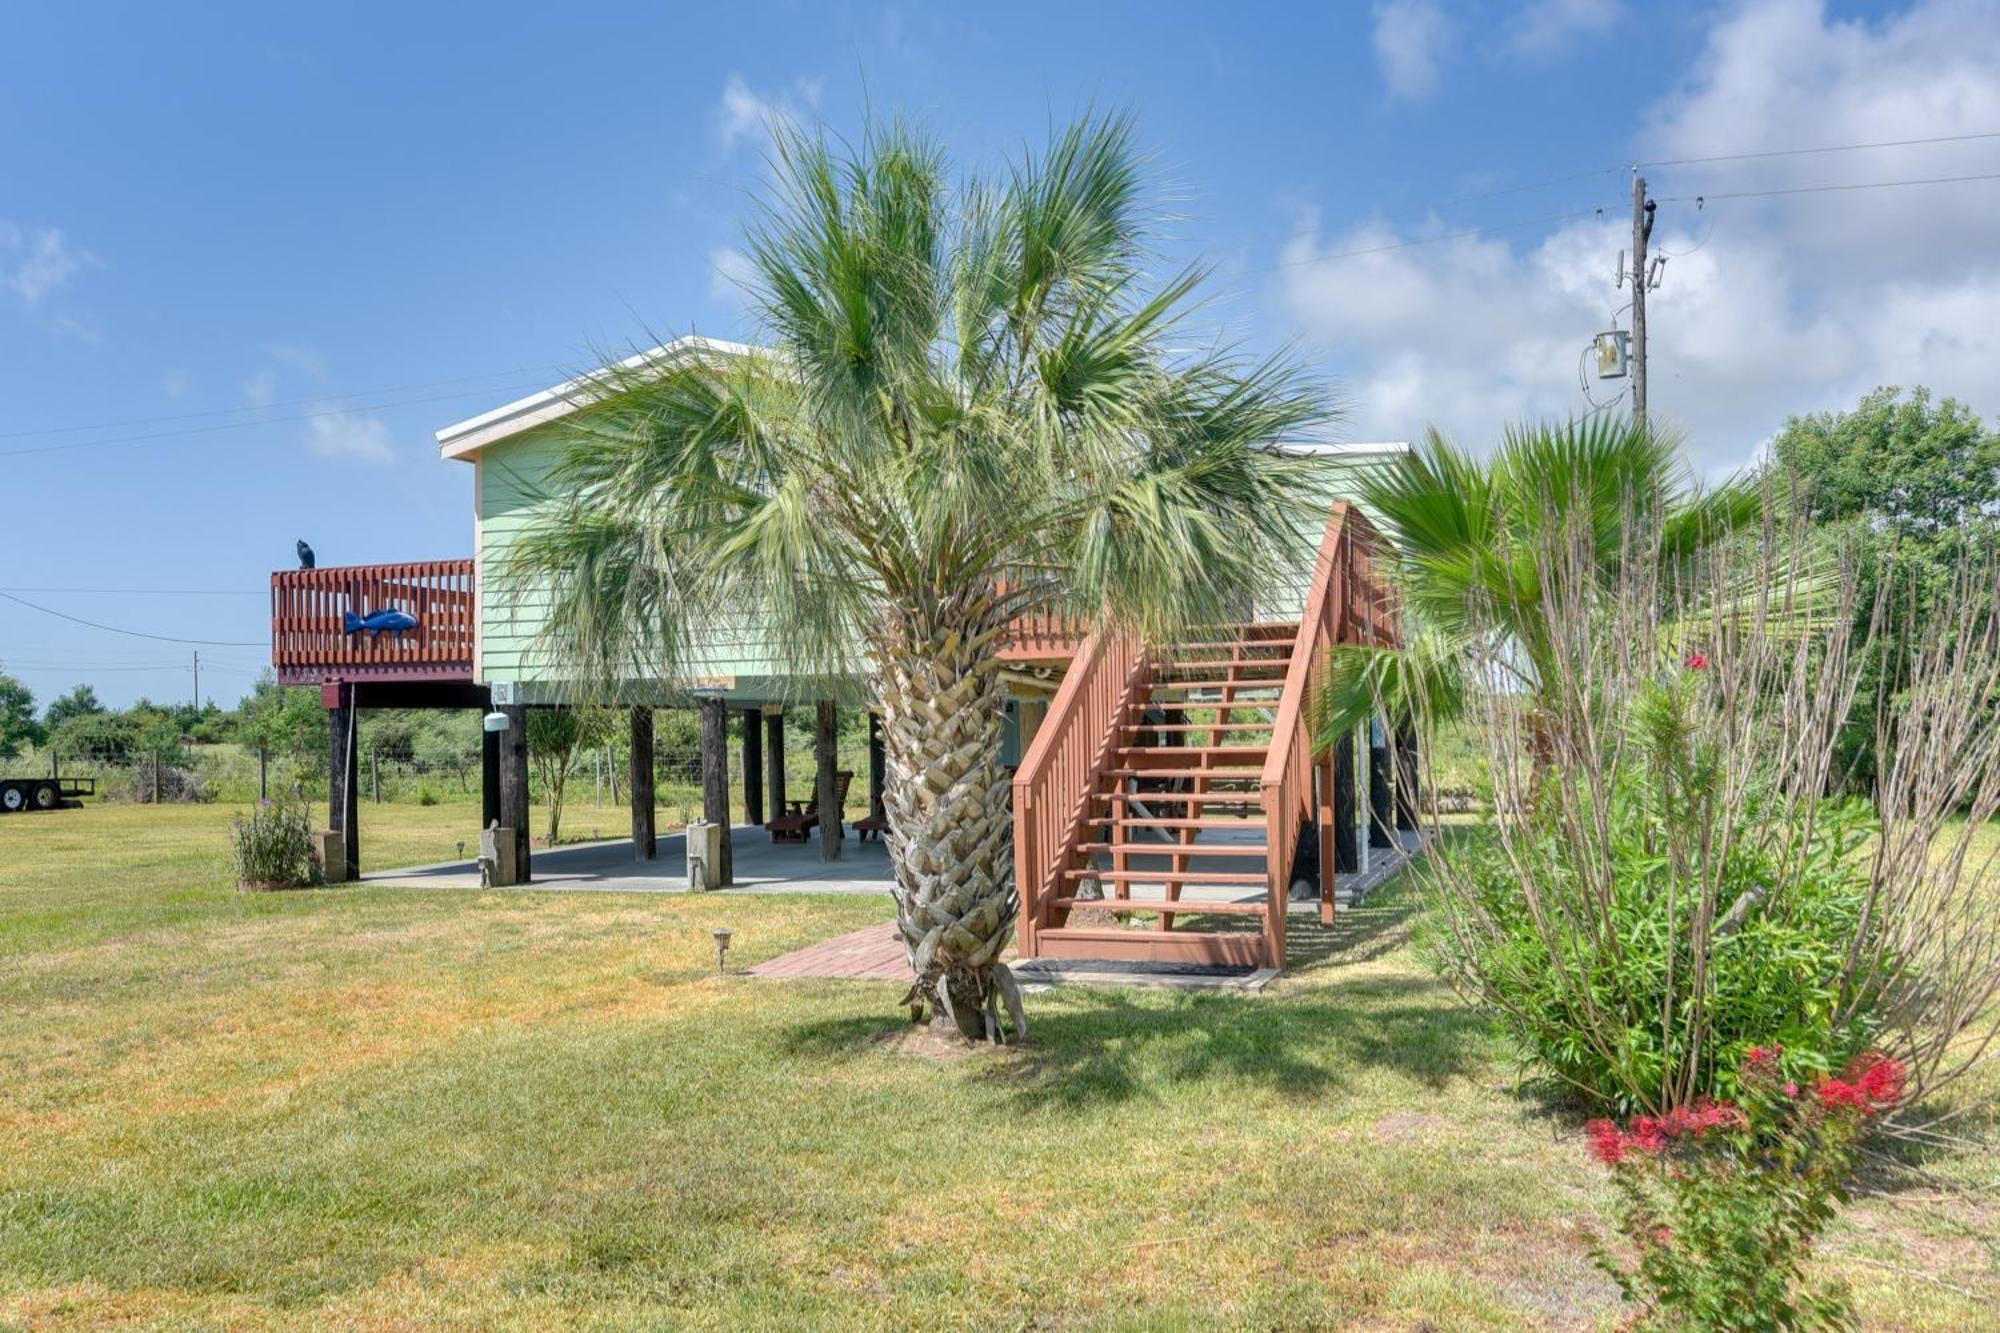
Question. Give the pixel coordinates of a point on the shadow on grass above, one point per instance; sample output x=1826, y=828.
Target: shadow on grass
x=1103, y=1047
x=1090, y=1045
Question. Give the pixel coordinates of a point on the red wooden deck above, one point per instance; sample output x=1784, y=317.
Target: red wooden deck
x=310, y=645
x=874, y=953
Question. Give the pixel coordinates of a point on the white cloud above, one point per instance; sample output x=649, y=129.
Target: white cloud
x=176, y=384
x=299, y=358
x=37, y=262
x=348, y=435
x=260, y=389
x=744, y=113
x=1410, y=40
x=729, y=271
x=1768, y=306
x=1547, y=28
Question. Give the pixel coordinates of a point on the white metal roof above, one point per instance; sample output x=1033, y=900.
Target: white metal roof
x=1358, y=450
x=466, y=438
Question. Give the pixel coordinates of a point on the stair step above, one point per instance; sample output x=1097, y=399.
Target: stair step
x=1244, y=850
x=1200, y=726
x=1247, y=799
x=1177, y=751
x=1156, y=685
x=1176, y=876
x=1231, y=948
x=1249, y=773
x=1290, y=627
x=1228, y=643
x=1217, y=706
x=1164, y=908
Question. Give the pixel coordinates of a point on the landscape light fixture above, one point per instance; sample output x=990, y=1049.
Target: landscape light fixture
x=722, y=934
x=1611, y=351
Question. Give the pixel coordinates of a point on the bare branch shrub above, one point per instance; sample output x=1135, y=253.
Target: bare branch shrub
x=1666, y=880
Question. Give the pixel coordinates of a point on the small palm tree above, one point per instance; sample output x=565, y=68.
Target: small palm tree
x=970, y=406
x=1473, y=538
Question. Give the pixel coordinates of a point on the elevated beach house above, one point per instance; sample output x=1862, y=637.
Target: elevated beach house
x=1181, y=777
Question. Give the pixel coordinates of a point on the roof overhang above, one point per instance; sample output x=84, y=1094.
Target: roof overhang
x=467, y=438
x=1359, y=452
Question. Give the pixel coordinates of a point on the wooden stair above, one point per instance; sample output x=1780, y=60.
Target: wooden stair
x=1159, y=835
x=1164, y=798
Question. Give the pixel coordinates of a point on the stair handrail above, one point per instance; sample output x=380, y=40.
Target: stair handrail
x=1286, y=782
x=1061, y=768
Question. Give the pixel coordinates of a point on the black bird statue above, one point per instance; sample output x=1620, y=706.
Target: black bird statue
x=305, y=555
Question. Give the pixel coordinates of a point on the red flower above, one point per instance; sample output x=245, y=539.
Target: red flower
x=1606, y=1141
x=1699, y=1117
x=1648, y=1134
x=1880, y=1078
x=1697, y=661
x=1836, y=1093
x=1872, y=1082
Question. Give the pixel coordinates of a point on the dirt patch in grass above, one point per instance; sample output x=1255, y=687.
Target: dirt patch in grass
x=1409, y=1126
x=929, y=1041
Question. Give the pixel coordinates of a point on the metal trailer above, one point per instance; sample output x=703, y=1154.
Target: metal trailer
x=18, y=795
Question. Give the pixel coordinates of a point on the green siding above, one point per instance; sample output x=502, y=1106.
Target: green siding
x=513, y=480
x=513, y=495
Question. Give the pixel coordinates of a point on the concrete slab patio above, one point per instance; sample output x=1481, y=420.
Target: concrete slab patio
x=875, y=953
x=761, y=866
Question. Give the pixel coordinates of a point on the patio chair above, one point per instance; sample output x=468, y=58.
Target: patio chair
x=803, y=817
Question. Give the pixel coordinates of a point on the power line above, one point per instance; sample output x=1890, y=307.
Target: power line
x=1522, y=189
x=1664, y=162
x=241, y=425
x=260, y=407
x=1830, y=148
x=219, y=669
x=1826, y=189
x=133, y=633
x=1445, y=236
x=154, y=592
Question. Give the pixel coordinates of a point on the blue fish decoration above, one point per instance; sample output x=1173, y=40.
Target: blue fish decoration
x=387, y=620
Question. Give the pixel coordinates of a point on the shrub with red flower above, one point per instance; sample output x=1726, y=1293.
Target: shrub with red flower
x=1720, y=1202
x=1697, y=661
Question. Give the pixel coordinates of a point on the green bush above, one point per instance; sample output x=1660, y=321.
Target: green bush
x=273, y=846
x=1597, y=994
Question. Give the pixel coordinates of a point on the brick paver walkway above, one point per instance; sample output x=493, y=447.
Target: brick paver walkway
x=873, y=953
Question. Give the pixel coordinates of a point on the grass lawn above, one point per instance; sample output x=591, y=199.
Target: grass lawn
x=382, y=1108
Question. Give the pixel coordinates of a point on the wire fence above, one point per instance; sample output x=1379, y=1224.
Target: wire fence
x=599, y=775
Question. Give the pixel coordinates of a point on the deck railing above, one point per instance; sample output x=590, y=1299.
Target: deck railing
x=1345, y=604
x=1053, y=786
x=1044, y=635
x=309, y=639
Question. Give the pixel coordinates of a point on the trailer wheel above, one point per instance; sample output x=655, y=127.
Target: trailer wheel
x=48, y=796
x=12, y=798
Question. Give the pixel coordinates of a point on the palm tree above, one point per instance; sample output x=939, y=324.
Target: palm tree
x=970, y=405
x=1473, y=537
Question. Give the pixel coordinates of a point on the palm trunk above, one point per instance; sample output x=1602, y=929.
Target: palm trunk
x=950, y=836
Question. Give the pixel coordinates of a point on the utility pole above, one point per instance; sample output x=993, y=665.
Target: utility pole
x=197, y=680
x=1642, y=230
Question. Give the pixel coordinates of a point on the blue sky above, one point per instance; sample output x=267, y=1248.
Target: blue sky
x=288, y=243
